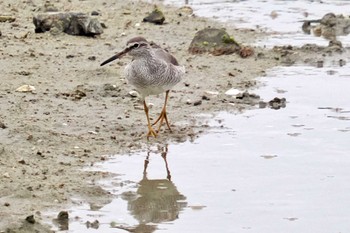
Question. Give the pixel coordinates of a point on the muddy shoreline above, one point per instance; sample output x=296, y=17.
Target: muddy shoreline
x=81, y=113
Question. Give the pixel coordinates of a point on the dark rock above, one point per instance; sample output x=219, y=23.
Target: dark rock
x=329, y=26
x=197, y=103
x=246, y=98
x=92, y=58
x=70, y=22
x=62, y=220
x=214, y=41
x=95, y=13
x=30, y=219
x=2, y=125
x=156, y=17
x=204, y=97
x=95, y=224
x=276, y=103
x=63, y=215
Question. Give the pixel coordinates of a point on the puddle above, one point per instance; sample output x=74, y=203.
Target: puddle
x=281, y=19
x=265, y=170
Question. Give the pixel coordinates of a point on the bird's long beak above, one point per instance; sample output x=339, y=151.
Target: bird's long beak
x=116, y=56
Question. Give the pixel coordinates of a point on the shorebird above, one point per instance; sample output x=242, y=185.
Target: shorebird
x=152, y=71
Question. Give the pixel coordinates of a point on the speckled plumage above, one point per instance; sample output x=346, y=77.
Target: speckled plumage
x=152, y=71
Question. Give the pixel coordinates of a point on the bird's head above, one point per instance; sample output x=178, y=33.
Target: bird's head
x=136, y=47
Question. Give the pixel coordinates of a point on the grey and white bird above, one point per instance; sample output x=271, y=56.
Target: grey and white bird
x=152, y=71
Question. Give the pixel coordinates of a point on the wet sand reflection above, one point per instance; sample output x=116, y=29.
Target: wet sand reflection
x=156, y=200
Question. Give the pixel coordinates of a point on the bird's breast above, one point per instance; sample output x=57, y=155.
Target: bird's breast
x=153, y=78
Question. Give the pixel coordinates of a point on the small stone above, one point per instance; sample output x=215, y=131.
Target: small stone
x=22, y=161
x=30, y=219
x=92, y=58
x=198, y=102
x=95, y=224
x=211, y=93
x=156, y=17
x=204, y=97
x=62, y=215
x=2, y=125
x=133, y=94
x=7, y=18
x=6, y=175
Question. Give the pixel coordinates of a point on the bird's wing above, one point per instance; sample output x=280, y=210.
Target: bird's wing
x=164, y=55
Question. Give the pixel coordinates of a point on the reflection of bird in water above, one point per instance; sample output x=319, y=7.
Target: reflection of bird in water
x=158, y=200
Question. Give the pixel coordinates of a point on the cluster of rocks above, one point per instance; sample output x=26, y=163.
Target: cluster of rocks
x=329, y=26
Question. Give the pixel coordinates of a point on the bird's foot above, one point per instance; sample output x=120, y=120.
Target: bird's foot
x=161, y=118
x=151, y=133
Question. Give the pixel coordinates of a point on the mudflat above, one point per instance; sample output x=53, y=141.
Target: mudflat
x=78, y=113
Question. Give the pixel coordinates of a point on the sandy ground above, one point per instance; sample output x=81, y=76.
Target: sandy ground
x=81, y=113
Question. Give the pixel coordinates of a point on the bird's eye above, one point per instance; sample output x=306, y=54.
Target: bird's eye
x=136, y=45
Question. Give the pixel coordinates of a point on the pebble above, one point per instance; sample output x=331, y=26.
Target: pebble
x=92, y=58
x=2, y=125
x=198, y=102
x=232, y=92
x=211, y=93
x=204, y=97
x=6, y=18
x=188, y=101
x=133, y=94
x=63, y=215
x=30, y=219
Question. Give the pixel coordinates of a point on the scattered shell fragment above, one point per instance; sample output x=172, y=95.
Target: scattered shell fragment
x=211, y=92
x=232, y=92
x=26, y=88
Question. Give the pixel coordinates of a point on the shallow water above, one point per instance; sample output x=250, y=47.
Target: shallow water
x=264, y=170
x=279, y=18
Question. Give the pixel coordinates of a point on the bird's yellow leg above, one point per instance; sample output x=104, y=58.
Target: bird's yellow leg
x=163, y=115
x=151, y=131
